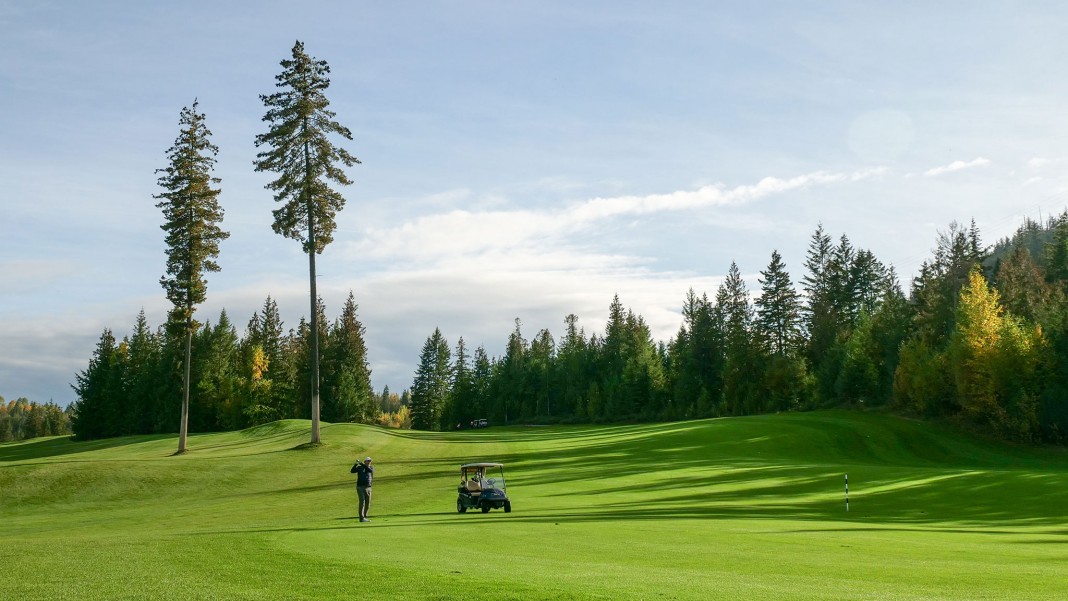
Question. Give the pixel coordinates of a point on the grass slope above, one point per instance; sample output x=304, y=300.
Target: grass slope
x=742, y=508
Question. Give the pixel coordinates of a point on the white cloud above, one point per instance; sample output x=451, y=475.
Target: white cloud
x=445, y=236
x=957, y=166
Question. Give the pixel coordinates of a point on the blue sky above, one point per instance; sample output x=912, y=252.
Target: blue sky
x=520, y=159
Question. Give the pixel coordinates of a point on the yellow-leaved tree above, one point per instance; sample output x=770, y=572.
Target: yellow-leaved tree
x=995, y=359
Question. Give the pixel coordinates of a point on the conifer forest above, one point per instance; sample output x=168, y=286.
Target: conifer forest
x=980, y=337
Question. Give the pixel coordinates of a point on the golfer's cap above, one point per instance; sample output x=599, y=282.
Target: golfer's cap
x=366, y=459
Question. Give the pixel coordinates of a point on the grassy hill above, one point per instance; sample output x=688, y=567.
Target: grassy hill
x=742, y=508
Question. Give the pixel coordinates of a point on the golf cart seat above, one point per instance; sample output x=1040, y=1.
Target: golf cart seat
x=474, y=487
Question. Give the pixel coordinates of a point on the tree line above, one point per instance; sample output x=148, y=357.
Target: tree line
x=134, y=386
x=22, y=419
x=981, y=338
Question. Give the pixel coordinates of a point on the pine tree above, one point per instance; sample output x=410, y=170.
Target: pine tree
x=94, y=392
x=540, y=372
x=611, y=359
x=306, y=161
x=463, y=396
x=511, y=375
x=350, y=396
x=192, y=215
x=481, y=381
x=144, y=357
x=820, y=318
x=732, y=301
x=778, y=308
x=572, y=360
x=215, y=364
x=431, y=386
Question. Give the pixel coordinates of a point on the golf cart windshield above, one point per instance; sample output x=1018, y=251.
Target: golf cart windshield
x=487, y=476
x=493, y=480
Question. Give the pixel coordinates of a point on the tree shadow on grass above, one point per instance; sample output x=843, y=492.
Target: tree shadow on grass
x=53, y=447
x=44, y=448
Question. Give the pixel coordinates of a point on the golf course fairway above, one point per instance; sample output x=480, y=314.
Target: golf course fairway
x=736, y=508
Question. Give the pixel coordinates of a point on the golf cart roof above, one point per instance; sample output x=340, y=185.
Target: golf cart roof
x=468, y=465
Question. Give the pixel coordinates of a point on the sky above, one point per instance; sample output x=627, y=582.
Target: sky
x=519, y=159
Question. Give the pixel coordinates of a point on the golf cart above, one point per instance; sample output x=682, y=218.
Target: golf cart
x=482, y=487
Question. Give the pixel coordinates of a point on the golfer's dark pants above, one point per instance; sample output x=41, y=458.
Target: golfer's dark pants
x=364, y=493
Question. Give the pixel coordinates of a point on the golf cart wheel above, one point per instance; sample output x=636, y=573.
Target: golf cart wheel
x=508, y=507
x=485, y=508
x=460, y=506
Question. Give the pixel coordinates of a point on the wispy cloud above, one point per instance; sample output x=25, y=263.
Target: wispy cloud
x=957, y=166
x=459, y=232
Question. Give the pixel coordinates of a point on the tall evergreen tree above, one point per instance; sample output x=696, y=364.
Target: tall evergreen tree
x=778, y=308
x=540, y=372
x=463, y=395
x=306, y=161
x=481, y=381
x=732, y=301
x=843, y=291
x=215, y=363
x=350, y=395
x=430, y=388
x=191, y=215
x=94, y=391
x=777, y=340
x=512, y=374
x=144, y=357
x=572, y=361
x=819, y=315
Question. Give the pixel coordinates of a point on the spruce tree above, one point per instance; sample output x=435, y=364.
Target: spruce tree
x=572, y=361
x=351, y=397
x=542, y=359
x=306, y=161
x=481, y=376
x=732, y=301
x=462, y=397
x=94, y=392
x=192, y=215
x=512, y=373
x=432, y=383
x=144, y=356
x=778, y=308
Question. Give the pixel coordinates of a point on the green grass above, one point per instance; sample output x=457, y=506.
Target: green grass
x=743, y=508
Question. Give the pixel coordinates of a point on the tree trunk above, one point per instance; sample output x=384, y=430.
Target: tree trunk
x=314, y=297
x=314, y=330
x=183, y=428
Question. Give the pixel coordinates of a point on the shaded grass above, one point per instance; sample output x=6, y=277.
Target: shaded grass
x=732, y=508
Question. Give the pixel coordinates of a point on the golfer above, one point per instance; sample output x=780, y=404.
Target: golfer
x=364, y=474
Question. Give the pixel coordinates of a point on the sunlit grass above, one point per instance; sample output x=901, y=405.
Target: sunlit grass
x=733, y=509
